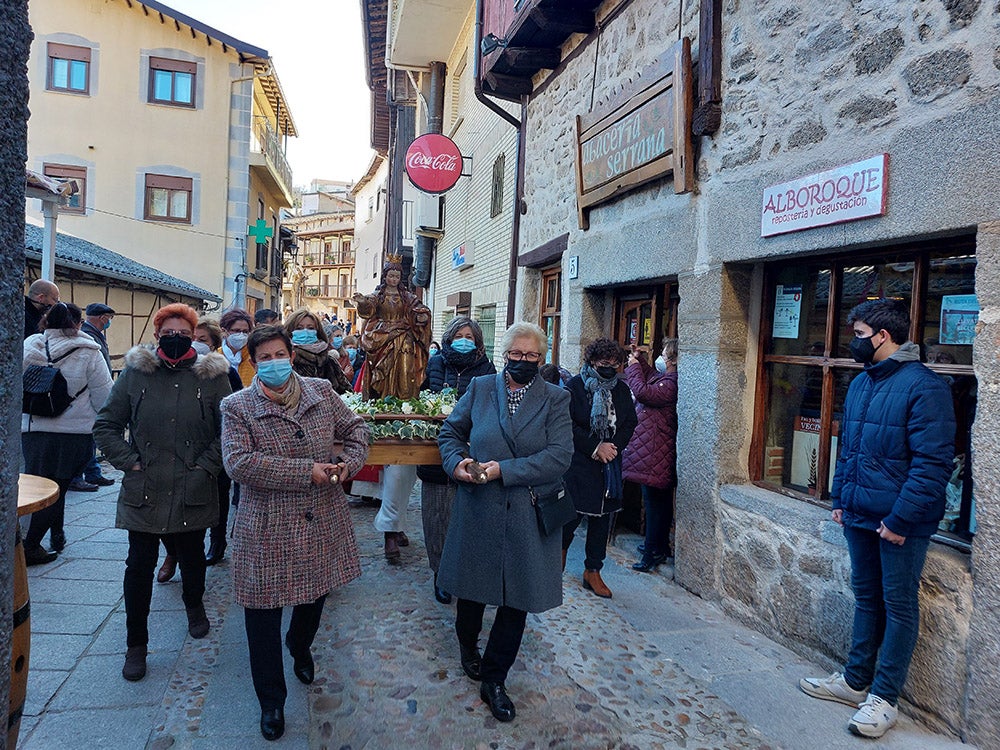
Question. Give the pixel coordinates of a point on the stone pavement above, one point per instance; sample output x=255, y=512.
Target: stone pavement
x=655, y=667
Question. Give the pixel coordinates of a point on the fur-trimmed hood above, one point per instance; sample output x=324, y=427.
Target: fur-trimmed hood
x=207, y=366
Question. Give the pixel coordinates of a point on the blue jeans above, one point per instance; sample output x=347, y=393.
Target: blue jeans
x=886, y=579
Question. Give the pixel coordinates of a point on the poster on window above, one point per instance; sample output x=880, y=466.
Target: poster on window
x=959, y=315
x=805, y=453
x=787, y=311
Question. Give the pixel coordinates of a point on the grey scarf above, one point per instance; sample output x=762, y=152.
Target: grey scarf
x=600, y=389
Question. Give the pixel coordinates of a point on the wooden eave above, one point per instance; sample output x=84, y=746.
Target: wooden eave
x=533, y=43
x=374, y=16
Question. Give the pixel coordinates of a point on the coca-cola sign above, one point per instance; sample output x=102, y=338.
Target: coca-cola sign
x=433, y=163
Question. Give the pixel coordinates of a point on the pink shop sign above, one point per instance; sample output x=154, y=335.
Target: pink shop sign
x=853, y=191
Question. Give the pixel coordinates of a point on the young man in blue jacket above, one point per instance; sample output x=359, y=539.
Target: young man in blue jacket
x=896, y=449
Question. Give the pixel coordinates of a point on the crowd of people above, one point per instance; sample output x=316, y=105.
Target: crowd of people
x=246, y=408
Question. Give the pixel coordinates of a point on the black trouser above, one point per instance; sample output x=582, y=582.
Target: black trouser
x=598, y=529
x=504, y=641
x=659, y=518
x=218, y=532
x=46, y=519
x=143, y=551
x=264, y=639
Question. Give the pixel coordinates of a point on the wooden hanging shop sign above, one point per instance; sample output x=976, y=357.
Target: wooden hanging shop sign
x=639, y=135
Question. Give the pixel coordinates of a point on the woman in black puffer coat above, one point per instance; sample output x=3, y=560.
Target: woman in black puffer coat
x=462, y=358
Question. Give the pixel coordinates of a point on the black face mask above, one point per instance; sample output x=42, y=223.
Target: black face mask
x=863, y=350
x=521, y=372
x=606, y=372
x=175, y=347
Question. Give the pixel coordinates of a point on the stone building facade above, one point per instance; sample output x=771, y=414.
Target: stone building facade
x=805, y=88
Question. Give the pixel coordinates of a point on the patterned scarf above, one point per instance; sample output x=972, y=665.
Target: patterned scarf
x=287, y=398
x=600, y=389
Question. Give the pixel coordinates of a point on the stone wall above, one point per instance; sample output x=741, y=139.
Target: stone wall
x=15, y=31
x=806, y=87
x=984, y=641
x=785, y=571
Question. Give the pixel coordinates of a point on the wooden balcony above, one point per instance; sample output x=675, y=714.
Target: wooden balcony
x=537, y=29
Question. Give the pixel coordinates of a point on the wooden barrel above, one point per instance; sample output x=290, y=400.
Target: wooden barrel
x=20, y=645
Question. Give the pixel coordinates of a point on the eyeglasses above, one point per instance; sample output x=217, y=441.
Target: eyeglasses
x=175, y=333
x=607, y=363
x=516, y=356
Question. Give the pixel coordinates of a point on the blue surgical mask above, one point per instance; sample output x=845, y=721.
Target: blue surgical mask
x=303, y=337
x=661, y=364
x=337, y=341
x=107, y=325
x=275, y=372
x=352, y=353
x=463, y=346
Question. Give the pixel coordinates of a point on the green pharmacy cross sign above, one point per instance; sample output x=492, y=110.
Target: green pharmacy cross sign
x=260, y=231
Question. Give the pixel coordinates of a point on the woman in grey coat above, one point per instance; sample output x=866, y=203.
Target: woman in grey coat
x=518, y=428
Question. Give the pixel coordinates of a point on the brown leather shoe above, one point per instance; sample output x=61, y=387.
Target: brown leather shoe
x=592, y=580
x=392, y=553
x=167, y=570
x=402, y=539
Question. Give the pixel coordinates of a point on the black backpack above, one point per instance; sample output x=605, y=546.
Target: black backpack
x=46, y=393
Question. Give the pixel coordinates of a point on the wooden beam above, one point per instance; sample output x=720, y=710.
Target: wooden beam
x=509, y=84
x=561, y=21
x=528, y=59
x=708, y=116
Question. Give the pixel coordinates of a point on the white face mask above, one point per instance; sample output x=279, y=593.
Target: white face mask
x=661, y=364
x=237, y=341
x=201, y=347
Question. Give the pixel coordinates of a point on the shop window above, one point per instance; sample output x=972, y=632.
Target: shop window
x=806, y=367
x=168, y=198
x=496, y=196
x=68, y=68
x=78, y=201
x=172, y=81
x=487, y=319
x=551, y=307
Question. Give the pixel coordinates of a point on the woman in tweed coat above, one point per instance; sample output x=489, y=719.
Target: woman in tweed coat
x=293, y=541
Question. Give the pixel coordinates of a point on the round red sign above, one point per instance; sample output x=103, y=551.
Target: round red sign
x=433, y=163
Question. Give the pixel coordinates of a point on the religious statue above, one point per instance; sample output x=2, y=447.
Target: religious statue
x=396, y=336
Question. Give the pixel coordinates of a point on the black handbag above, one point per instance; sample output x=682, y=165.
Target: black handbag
x=554, y=510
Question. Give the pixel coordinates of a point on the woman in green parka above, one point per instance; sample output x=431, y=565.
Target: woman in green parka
x=167, y=403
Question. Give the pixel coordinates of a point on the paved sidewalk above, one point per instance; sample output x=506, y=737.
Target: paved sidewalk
x=655, y=667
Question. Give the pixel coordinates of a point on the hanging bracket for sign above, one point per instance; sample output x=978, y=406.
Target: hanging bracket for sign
x=639, y=135
x=466, y=166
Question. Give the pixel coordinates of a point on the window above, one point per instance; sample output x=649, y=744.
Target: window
x=168, y=198
x=487, y=319
x=806, y=365
x=496, y=197
x=77, y=201
x=550, y=307
x=69, y=68
x=371, y=207
x=171, y=81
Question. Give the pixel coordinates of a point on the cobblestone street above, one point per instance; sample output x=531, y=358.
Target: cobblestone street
x=653, y=668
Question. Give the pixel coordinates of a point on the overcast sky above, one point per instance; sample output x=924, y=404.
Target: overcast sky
x=316, y=46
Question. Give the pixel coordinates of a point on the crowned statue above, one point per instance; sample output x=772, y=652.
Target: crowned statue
x=396, y=336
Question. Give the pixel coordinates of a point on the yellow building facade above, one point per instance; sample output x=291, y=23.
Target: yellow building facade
x=174, y=132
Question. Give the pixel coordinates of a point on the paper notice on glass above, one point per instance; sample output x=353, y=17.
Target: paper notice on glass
x=959, y=315
x=787, y=311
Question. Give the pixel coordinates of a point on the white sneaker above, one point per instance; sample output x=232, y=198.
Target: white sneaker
x=832, y=688
x=874, y=718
